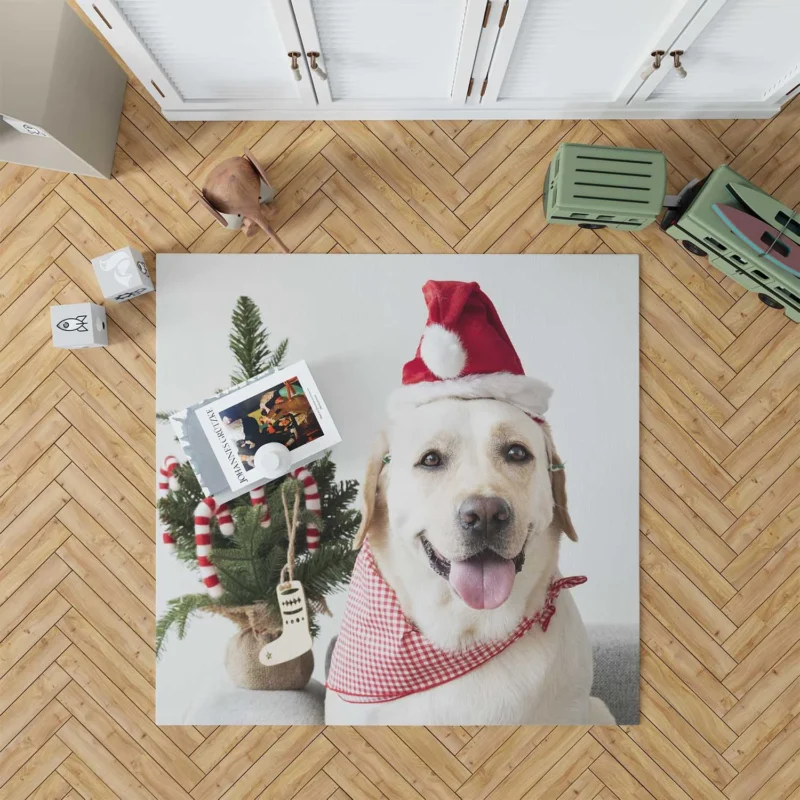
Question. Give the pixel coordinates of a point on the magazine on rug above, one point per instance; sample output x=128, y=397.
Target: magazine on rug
x=222, y=436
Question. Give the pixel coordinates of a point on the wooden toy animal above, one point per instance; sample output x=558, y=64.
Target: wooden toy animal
x=236, y=192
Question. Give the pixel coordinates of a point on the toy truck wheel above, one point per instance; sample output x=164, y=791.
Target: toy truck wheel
x=693, y=248
x=769, y=301
x=592, y=226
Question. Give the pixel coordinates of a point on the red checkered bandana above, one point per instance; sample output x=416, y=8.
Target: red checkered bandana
x=381, y=656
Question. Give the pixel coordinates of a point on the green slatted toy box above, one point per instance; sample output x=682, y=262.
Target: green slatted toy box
x=701, y=231
x=595, y=187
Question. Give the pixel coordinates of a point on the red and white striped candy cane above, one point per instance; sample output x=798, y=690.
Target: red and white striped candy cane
x=258, y=497
x=311, y=492
x=224, y=520
x=206, y=510
x=167, y=480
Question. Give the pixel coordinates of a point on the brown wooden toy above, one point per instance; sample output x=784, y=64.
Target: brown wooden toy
x=237, y=192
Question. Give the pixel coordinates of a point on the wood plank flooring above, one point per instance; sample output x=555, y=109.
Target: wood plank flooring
x=720, y=468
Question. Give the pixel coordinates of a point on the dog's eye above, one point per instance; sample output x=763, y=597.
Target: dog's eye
x=517, y=453
x=431, y=459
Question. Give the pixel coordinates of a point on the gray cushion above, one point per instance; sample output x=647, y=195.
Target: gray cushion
x=616, y=669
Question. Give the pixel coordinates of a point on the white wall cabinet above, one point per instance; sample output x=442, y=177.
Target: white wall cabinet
x=734, y=51
x=203, y=54
x=411, y=53
x=568, y=52
x=356, y=59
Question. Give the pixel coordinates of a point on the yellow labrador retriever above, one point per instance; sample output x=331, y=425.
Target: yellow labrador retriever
x=464, y=523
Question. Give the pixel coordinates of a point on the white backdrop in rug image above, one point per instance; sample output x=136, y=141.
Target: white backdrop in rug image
x=573, y=319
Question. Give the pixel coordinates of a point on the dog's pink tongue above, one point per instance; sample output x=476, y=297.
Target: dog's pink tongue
x=483, y=581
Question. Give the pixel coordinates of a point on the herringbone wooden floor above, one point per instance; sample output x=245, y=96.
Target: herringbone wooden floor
x=720, y=489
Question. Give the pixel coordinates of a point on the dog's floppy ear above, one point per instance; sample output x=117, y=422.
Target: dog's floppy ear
x=373, y=511
x=558, y=483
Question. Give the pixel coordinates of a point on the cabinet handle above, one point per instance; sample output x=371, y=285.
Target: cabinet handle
x=313, y=56
x=295, y=66
x=503, y=15
x=102, y=17
x=657, y=56
x=676, y=60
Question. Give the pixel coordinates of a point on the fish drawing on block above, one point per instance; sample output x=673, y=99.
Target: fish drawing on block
x=764, y=239
x=77, y=324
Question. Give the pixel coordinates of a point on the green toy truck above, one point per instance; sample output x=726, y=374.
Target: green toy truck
x=597, y=187
x=605, y=187
x=702, y=232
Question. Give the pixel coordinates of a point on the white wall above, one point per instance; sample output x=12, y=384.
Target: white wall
x=356, y=320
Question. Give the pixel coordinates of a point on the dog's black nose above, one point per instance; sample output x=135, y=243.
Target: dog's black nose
x=486, y=515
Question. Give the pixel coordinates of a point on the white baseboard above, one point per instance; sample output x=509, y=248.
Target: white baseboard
x=698, y=111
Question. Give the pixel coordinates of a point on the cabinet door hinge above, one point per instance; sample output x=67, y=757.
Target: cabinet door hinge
x=486, y=13
x=503, y=15
x=469, y=88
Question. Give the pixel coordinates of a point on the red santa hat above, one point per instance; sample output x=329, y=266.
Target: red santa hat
x=465, y=352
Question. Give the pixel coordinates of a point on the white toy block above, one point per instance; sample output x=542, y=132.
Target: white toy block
x=122, y=274
x=78, y=325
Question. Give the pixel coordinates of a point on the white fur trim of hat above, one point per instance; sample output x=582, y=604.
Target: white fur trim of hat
x=529, y=394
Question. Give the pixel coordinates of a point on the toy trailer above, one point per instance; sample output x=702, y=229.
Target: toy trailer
x=703, y=232
x=605, y=187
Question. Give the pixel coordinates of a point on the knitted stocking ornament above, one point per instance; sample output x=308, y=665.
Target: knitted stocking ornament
x=167, y=480
x=296, y=637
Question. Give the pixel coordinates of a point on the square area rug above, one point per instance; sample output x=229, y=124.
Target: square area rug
x=458, y=611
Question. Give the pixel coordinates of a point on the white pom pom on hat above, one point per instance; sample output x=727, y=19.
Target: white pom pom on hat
x=442, y=352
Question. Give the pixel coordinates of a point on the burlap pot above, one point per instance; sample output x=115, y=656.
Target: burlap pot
x=245, y=670
x=259, y=626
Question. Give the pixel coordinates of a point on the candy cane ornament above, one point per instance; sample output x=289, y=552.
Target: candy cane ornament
x=225, y=520
x=311, y=493
x=206, y=510
x=258, y=497
x=167, y=480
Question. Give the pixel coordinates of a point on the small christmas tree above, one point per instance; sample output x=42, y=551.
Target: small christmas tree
x=249, y=563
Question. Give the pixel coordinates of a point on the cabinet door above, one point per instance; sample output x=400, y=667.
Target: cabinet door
x=387, y=54
x=746, y=51
x=576, y=53
x=208, y=54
